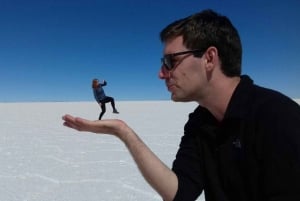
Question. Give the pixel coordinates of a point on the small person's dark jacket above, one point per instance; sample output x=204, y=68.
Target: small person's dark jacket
x=252, y=155
x=99, y=93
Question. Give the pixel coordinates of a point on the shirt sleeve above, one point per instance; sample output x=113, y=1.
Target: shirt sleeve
x=187, y=167
x=104, y=83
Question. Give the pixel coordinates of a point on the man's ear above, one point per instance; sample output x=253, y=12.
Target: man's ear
x=211, y=57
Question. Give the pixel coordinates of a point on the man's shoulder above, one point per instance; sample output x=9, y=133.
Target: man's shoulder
x=270, y=100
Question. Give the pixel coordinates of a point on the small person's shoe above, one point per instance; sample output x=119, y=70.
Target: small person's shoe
x=116, y=112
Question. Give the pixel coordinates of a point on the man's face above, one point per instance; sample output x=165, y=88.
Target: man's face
x=187, y=78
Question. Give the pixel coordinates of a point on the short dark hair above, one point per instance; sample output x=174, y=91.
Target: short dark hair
x=205, y=29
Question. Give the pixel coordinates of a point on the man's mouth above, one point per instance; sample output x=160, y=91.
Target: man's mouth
x=171, y=87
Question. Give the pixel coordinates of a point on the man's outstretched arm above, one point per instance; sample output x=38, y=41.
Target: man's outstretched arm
x=156, y=173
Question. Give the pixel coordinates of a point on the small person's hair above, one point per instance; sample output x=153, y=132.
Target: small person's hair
x=95, y=83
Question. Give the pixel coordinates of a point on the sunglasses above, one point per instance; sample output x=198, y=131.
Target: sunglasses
x=167, y=60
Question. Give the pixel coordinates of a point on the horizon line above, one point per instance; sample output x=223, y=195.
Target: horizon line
x=86, y=101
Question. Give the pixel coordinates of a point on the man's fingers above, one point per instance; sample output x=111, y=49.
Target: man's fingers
x=72, y=122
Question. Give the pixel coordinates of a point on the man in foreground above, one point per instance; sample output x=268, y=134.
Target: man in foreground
x=242, y=143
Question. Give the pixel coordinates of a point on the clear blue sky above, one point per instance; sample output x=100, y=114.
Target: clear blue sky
x=50, y=50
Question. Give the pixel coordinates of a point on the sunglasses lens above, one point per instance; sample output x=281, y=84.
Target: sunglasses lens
x=166, y=61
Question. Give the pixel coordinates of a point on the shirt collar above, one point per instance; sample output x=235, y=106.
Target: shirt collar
x=240, y=100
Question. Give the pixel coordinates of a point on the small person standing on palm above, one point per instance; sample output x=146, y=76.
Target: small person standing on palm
x=101, y=98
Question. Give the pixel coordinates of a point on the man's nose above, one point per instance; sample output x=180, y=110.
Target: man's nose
x=163, y=73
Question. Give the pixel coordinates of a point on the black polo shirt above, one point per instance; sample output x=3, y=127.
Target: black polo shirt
x=252, y=155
